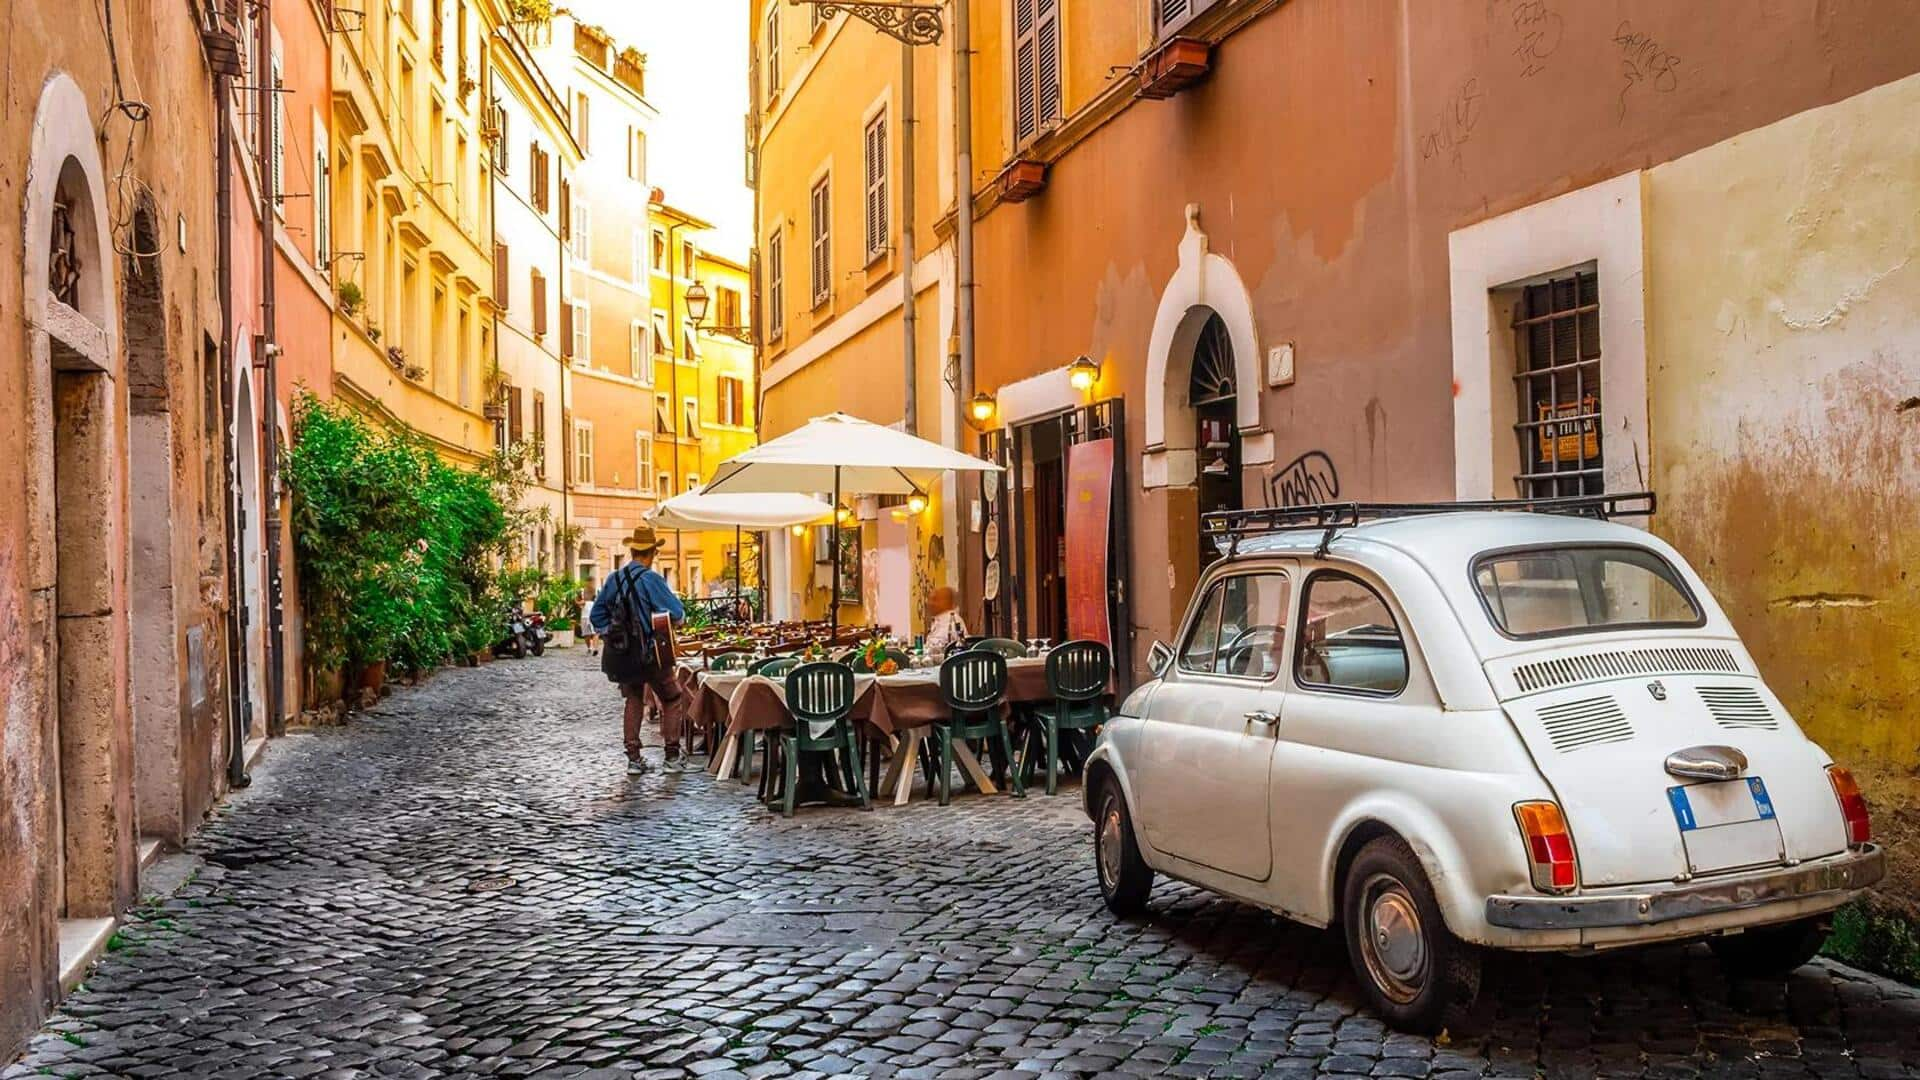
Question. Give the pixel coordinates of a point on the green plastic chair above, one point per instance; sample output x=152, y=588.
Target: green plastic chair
x=733, y=661
x=1077, y=677
x=1006, y=648
x=820, y=693
x=974, y=684
x=774, y=667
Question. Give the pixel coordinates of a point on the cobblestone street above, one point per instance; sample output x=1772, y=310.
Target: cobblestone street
x=465, y=882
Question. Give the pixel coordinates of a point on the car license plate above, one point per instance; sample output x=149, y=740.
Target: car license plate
x=1726, y=824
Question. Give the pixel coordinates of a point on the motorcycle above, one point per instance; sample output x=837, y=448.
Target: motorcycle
x=525, y=634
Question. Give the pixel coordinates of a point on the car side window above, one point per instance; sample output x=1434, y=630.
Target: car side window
x=1348, y=638
x=1240, y=628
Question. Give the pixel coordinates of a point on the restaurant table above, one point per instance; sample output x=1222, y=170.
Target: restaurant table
x=898, y=709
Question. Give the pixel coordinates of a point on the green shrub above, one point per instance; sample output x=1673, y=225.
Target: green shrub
x=396, y=548
x=1875, y=940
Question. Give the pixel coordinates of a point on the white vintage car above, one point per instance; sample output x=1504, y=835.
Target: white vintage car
x=1512, y=726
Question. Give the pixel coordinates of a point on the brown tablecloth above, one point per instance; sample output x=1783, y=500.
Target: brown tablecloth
x=887, y=704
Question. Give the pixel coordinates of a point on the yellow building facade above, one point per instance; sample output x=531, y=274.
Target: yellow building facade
x=829, y=128
x=412, y=332
x=716, y=418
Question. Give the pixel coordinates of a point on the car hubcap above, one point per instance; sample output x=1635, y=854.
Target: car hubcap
x=1109, y=853
x=1393, y=941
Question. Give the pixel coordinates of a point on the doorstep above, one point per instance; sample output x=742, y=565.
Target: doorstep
x=150, y=848
x=82, y=941
x=252, y=751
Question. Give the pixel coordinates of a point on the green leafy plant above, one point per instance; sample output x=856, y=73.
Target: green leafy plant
x=560, y=625
x=533, y=11
x=351, y=298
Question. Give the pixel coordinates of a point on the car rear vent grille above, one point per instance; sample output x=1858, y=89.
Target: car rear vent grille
x=1588, y=722
x=1588, y=667
x=1739, y=707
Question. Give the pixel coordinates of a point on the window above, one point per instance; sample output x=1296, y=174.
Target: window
x=502, y=276
x=515, y=398
x=663, y=418
x=463, y=328
x=1036, y=68
x=582, y=120
x=776, y=285
x=501, y=142
x=1571, y=590
x=876, y=173
x=731, y=408
x=637, y=264
x=1556, y=325
x=690, y=412
x=643, y=462
x=1170, y=15
x=279, y=135
x=539, y=182
x=662, y=482
x=1348, y=638
x=583, y=452
x=687, y=265
x=636, y=155
x=773, y=54
x=639, y=360
x=582, y=331
x=822, y=252
x=693, y=481
x=726, y=302
x=579, y=240
x=662, y=337
x=439, y=33
x=539, y=435
x=539, y=287
x=689, y=339
x=660, y=249
x=322, y=199
x=1240, y=628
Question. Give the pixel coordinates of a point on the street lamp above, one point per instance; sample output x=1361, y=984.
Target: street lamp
x=697, y=301
x=1083, y=373
x=982, y=408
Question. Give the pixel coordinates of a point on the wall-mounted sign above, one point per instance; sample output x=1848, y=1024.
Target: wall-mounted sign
x=993, y=539
x=1575, y=432
x=991, y=589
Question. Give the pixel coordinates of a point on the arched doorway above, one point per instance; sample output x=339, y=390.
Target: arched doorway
x=1212, y=393
x=76, y=499
x=253, y=544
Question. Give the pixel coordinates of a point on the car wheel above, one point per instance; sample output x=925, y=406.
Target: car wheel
x=1770, y=951
x=1125, y=878
x=1417, y=975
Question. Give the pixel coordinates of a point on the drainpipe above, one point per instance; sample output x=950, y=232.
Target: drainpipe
x=963, y=195
x=268, y=357
x=908, y=320
x=236, y=658
x=675, y=414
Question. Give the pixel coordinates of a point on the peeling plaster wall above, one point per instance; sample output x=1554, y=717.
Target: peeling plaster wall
x=1784, y=345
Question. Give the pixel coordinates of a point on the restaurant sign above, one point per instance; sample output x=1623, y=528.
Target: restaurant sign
x=1089, y=513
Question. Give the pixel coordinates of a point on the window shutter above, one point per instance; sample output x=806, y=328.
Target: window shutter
x=1171, y=15
x=566, y=330
x=776, y=284
x=821, y=260
x=1046, y=36
x=877, y=185
x=539, y=303
x=279, y=135
x=539, y=434
x=1025, y=98
x=513, y=414
x=500, y=279
x=566, y=211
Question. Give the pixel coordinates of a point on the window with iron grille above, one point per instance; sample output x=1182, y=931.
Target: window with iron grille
x=822, y=252
x=876, y=172
x=1036, y=68
x=1556, y=324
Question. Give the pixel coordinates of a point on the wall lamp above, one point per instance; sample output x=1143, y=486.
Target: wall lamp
x=1083, y=373
x=982, y=408
x=917, y=502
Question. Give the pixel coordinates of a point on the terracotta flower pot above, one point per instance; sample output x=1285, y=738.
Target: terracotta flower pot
x=372, y=677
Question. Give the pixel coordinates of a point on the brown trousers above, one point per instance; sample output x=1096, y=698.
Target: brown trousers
x=666, y=689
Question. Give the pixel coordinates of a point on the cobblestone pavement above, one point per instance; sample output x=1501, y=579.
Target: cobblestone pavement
x=466, y=883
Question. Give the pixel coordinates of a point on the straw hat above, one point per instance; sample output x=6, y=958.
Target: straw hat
x=643, y=542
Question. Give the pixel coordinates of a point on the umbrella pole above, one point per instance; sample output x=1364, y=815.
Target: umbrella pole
x=833, y=601
x=739, y=585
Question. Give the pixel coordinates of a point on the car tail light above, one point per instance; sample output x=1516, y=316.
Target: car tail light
x=1853, y=805
x=1549, y=846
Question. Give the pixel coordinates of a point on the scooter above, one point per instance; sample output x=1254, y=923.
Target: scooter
x=521, y=638
x=538, y=634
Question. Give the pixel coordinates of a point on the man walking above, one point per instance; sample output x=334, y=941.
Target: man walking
x=631, y=596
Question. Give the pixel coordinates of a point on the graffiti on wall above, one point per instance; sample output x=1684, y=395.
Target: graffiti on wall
x=1308, y=479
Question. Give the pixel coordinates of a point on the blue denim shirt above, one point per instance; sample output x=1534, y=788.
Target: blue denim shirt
x=652, y=588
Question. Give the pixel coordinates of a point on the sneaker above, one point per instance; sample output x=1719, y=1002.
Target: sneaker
x=678, y=763
x=636, y=766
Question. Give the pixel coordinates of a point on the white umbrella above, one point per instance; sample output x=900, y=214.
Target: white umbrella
x=751, y=510
x=756, y=511
x=839, y=452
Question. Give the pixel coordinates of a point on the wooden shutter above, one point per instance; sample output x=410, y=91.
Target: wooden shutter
x=566, y=211
x=776, y=313
x=1046, y=37
x=1171, y=15
x=1025, y=101
x=501, y=280
x=821, y=254
x=876, y=155
x=539, y=434
x=566, y=330
x=513, y=414
x=539, y=303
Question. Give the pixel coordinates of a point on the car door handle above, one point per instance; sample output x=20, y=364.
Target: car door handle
x=1262, y=717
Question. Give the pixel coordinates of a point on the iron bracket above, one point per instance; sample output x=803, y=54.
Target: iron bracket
x=914, y=24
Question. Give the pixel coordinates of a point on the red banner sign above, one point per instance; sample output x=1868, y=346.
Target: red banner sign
x=1089, y=514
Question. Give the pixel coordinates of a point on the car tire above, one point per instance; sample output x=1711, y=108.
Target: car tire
x=1125, y=877
x=1770, y=951
x=1415, y=973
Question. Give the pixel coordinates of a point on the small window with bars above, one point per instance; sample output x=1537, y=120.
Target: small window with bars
x=1556, y=323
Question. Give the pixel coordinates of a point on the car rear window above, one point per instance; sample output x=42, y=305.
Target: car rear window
x=1543, y=592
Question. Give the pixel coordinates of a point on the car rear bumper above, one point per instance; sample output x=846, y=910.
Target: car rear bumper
x=1646, y=906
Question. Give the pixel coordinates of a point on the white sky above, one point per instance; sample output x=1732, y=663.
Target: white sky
x=697, y=78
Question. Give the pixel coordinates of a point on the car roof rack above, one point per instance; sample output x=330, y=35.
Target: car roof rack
x=1230, y=526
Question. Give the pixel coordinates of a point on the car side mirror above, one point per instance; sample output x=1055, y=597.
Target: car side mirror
x=1159, y=658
